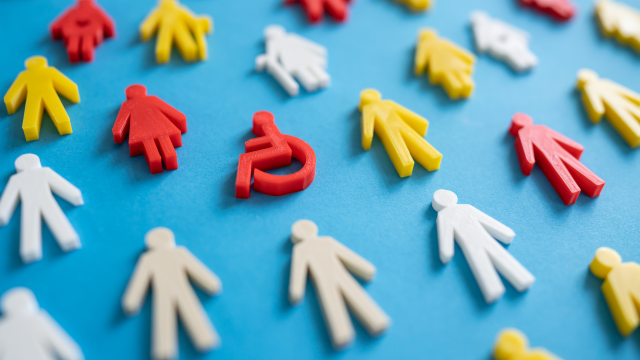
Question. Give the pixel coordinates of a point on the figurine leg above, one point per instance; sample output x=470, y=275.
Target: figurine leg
x=57, y=113
x=151, y=154
x=167, y=152
x=30, y=233
x=87, y=47
x=164, y=333
x=337, y=9
x=60, y=226
x=32, y=117
x=73, y=48
x=185, y=43
x=364, y=308
x=335, y=314
x=163, y=45
x=196, y=322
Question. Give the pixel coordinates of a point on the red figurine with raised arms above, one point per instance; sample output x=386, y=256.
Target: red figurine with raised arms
x=154, y=128
x=272, y=150
x=560, y=9
x=315, y=8
x=557, y=156
x=82, y=28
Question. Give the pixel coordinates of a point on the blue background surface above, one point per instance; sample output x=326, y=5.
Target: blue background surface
x=357, y=197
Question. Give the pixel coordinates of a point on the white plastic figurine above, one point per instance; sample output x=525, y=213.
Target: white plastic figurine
x=33, y=185
x=503, y=41
x=168, y=268
x=473, y=230
x=327, y=261
x=29, y=333
x=290, y=56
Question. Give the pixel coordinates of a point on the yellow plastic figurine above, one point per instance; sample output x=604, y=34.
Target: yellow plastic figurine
x=621, y=287
x=449, y=64
x=620, y=21
x=620, y=105
x=417, y=5
x=38, y=85
x=400, y=130
x=513, y=345
x=173, y=21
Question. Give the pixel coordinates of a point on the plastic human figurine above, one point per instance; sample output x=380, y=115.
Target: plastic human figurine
x=502, y=41
x=82, y=28
x=33, y=185
x=327, y=261
x=620, y=105
x=449, y=65
x=272, y=150
x=152, y=125
x=417, y=5
x=621, y=287
x=38, y=85
x=315, y=8
x=167, y=269
x=30, y=333
x=475, y=232
x=400, y=130
x=619, y=20
x=513, y=345
x=557, y=156
x=173, y=21
x=560, y=9
x=290, y=55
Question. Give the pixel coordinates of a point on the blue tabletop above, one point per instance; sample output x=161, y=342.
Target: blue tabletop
x=437, y=310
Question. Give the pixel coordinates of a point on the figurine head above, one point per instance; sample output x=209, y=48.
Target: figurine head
x=478, y=17
x=136, y=90
x=604, y=261
x=168, y=4
x=274, y=32
x=303, y=230
x=36, y=62
x=18, y=301
x=160, y=238
x=260, y=119
x=27, y=162
x=367, y=96
x=442, y=199
x=427, y=35
x=510, y=343
x=519, y=121
x=586, y=76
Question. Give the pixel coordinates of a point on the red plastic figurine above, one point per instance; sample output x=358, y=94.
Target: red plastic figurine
x=557, y=156
x=82, y=28
x=560, y=9
x=152, y=125
x=315, y=8
x=272, y=150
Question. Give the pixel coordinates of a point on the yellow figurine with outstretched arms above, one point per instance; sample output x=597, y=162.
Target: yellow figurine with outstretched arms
x=449, y=65
x=175, y=22
x=38, y=84
x=400, y=130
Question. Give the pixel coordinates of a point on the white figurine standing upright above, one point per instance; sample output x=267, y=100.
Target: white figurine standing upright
x=29, y=333
x=473, y=230
x=33, y=185
x=327, y=261
x=503, y=41
x=168, y=268
x=290, y=55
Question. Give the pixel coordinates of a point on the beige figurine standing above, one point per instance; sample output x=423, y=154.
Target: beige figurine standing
x=327, y=261
x=168, y=268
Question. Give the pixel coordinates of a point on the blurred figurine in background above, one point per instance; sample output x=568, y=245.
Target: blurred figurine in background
x=561, y=10
x=290, y=55
x=315, y=8
x=82, y=28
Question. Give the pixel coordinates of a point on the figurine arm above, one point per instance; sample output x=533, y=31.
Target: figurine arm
x=137, y=288
x=57, y=339
x=108, y=25
x=524, y=150
x=16, y=94
x=460, y=53
x=149, y=25
x=200, y=274
x=445, y=238
x=9, y=201
x=417, y=122
x=298, y=275
x=354, y=262
x=593, y=103
x=65, y=86
x=176, y=117
x=63, y=188
x=423, y=50
x=632, y=96
x=569, y=145
x=56, y=27
x=120, y=129
x=367, y=123
x=494, y=227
